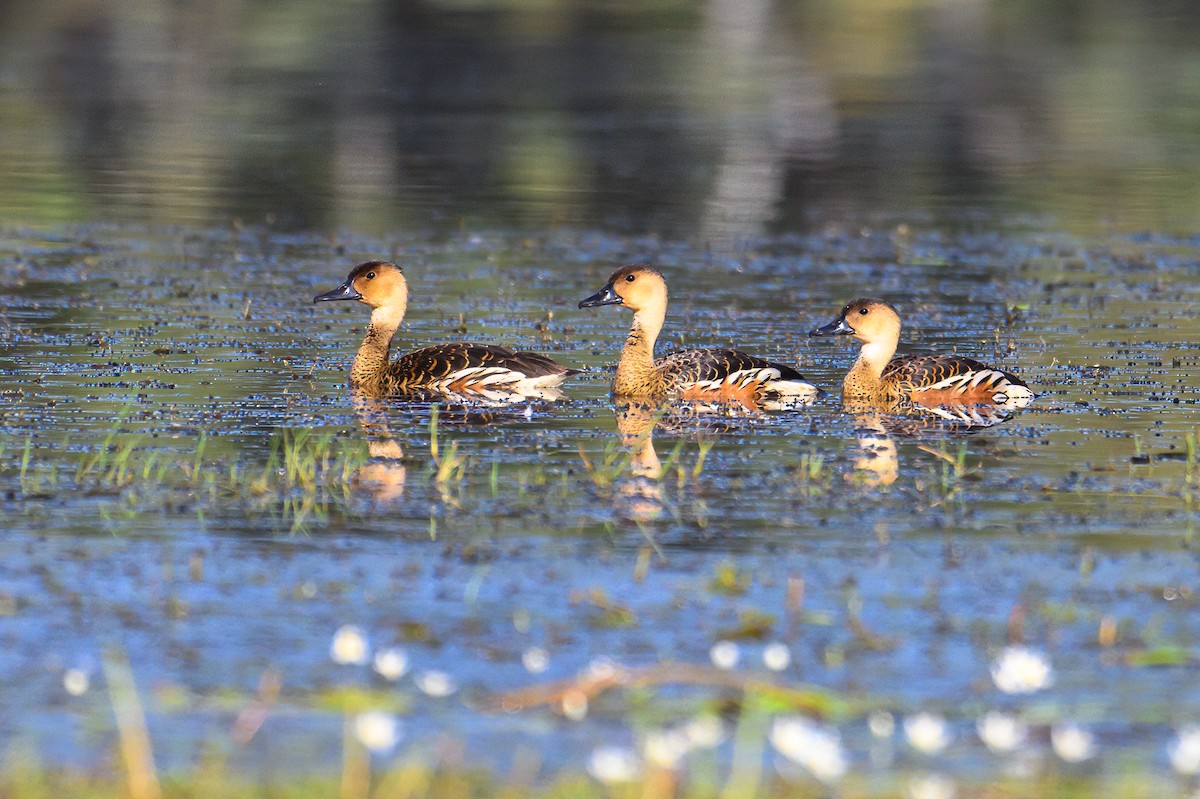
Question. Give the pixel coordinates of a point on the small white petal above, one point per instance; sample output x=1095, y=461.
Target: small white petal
x=437, y=684
x=1072, y=743
x=665, y=748
x=535, y=660
x=931, y=786
x=881, y=724
x=1185, y=751
x=815, y=747
x=705, y=732
x=600, y=669
x=575, y=705
x=1000, y=732
x=391, y=664
x=928, y=733
x=613, y=764
x=349, y=646
x=377, y=731
x=76, y=682
x=1019, y=670
x=725, y=654
x=776, y=656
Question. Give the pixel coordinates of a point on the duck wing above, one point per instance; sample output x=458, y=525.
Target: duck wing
x=953, y=379
x=464, y=367
x=724, y=375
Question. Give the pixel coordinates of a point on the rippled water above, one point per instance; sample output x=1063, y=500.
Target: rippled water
x=179, y=184
x=1074, y=514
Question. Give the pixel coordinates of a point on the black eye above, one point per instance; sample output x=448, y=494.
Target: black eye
x=862, y=311
x=371, y=276
x=629, y=278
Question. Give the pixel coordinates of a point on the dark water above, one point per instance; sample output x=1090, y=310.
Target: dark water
x=179, y=184
x=717, y=121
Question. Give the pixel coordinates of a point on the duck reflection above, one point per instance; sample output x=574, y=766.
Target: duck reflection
x=384, y=476
x=640, y=495
x=877, y=463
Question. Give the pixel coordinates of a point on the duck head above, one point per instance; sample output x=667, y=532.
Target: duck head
x=373, y=283
x=867, y=319
x=377, y=284
x=634, y=286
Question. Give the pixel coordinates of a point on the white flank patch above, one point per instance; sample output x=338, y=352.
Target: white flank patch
x=1008, y=394
x=793, y=393
x=1016, y=396
x=498, y=384
x=795, y=389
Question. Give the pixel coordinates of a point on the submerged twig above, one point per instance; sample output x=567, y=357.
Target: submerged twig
x=591, y=684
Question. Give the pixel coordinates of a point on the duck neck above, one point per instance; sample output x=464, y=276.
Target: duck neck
x=866, y=376
x=371, y=362
x=635, y=370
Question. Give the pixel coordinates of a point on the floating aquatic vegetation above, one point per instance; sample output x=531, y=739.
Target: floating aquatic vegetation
x=349, y=646
x=1019, y=670
x=928, y=733
x=377, y=731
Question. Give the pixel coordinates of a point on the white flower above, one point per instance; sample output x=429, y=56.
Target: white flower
x=613, y=764
x=724, y=654
x=1019, y=670
x=1001, y=732
x=575, y=705
x=928, y=733
x=813, y=746
x=704, y=732
x=76, y=682
x=931, y=786
x=349, y=646
x=600, y=669
x=776, y=656
x=391, y=664
x=881, y=724
x=1185, y=751
x=378, y=731
x=1072, y=743
x=665, y=748
x=535, y=660
x=437, y=684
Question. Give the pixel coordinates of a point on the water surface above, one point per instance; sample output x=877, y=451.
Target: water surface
x=185, y=481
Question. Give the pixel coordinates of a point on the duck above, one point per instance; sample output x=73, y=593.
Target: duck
x=927, y=381
x=460, y=369
x=730, y=378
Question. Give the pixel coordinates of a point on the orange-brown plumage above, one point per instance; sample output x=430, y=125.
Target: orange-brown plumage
x=467, y=370
x=706, y=375
x=928, y=380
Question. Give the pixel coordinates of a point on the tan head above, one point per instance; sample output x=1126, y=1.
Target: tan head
x=635, y=286
x=378, y=284
x=871, y=321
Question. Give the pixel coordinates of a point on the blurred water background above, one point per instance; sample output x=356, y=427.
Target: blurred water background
x=717, y=119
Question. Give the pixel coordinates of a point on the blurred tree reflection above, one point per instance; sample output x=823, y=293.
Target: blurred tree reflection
x=717, y=120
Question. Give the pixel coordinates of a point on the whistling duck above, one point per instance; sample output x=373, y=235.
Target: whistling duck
x=707, y=375
x=924, y=380
x=485, y=371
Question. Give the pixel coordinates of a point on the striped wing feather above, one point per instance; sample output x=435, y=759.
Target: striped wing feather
x=470, y=365
x=730, y=378
x=948, y=378
x=685, y=368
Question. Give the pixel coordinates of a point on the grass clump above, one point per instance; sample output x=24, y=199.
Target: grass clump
x=304, y=473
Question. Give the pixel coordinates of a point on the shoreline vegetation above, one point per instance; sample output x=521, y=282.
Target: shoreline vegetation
x=760, y=763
